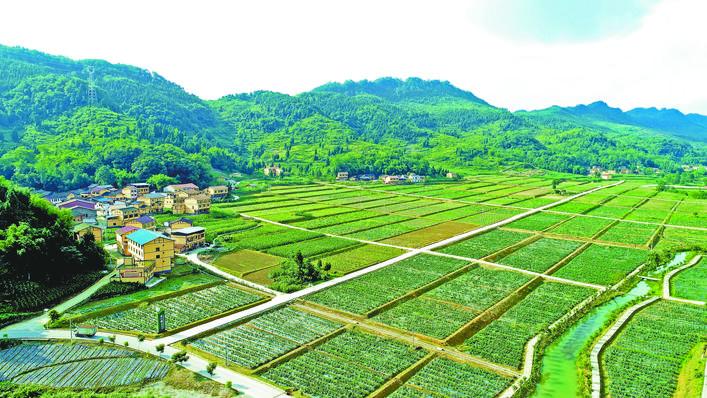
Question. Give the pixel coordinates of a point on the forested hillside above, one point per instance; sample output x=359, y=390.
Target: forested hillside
x=142, y=124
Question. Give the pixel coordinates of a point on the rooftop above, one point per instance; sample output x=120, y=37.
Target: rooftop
x=143, y=236
x=124, y=230
x=145, y=219
x=188, y=231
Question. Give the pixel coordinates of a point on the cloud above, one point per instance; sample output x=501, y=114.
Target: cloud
x=554, y=21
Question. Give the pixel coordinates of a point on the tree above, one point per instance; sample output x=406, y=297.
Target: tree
x=297, y=272
x=159, y=181
x=159, y=348
x=211, y=367
x=180, y=356
x=54, y=315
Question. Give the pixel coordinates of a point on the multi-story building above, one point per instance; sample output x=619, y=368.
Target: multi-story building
x=217, y=192
x=197, y=204
x=126, y=214
x=142, y=222
x=188, y=238
x=150, y=248
x=120, y=240
x=84, y=229
x=180, y=187
x=155, y=201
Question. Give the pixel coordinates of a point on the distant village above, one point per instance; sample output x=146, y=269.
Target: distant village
x=276, y=171
x=144, y=248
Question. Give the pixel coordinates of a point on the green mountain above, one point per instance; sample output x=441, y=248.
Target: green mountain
x=142, y=124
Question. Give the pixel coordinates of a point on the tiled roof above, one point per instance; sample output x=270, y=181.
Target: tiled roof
x=126, y=229
x=188, y=231
x=145, y=219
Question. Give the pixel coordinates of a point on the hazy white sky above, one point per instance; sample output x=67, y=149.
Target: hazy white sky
x=519, y=54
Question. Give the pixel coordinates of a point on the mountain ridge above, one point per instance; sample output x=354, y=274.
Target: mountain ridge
x=51, y=138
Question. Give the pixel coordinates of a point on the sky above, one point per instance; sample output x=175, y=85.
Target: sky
x=517, y=54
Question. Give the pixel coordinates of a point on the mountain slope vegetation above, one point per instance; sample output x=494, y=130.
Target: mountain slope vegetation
x=142, y=124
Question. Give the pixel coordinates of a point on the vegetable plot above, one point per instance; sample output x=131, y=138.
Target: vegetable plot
x=179, y=311
x=602, y=265
x=446, y=378
x=540, y=255
x=646, y=357
x=503, y=340
x=372, y=290
x=266, y=337
x=350, y=365
x=482, y=245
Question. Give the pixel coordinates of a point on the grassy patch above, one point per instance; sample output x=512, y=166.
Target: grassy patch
x=244, y=261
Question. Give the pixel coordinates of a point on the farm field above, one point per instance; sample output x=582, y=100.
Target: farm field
x=266, y=337
x=181, y=310
x=243, y=261
x=540, y=255
x=77, y=365
x=460, y=300
x=691, y=283
x=503, y=340
x=483, y=245
x=602, y=265
x=352, y=364
x=647, y=356
x=363, y=294
x=446, y=378
x=628, y=232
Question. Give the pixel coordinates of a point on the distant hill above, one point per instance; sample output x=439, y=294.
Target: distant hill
x=668, y=121
x=143, y=124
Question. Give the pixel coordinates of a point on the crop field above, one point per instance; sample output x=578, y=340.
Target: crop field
x=691, y=283
x=181, y=310
x=391, y=230
x=677, y=237
x=646, y=357
x=628, y=232
x=372, y=290
x=360, y=225
x=459, y=300
x=312, y=247
x=360, y=257
x=77, y=365
x=426, y=236
x=352, y=364
x=540, y=255
x=483, y=245
x=266, y=337
x=491, y=216
x=446, y=378
x=538, y=222
x=503, y=340
x=242, y=261
x=602, y=265
x=583, y=227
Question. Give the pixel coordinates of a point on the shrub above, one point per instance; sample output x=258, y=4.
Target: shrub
x=211, y=367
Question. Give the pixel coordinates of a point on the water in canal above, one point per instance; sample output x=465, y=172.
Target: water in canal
x=559, y=365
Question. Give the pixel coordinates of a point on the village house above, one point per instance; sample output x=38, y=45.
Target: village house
x=126, y=214
x=174, y=188
x=217, y=192
x=80, y=209
x=197, y=204
x=95, y=190
x=188, y=238
x=342, y=176
x=112, y=221
x=272, y=171
x=414, y=178
x=120, y=240
x=452, y=175
x=177, y=224
x=393, y=179
x=154, y=201
x=83, y=229
x=130, y=192
x=367, y=177
x=150, y=248
x=143, y=222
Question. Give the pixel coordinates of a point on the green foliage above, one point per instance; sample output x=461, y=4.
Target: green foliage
x=211, y=367
x=144, y=125
x=180, y=356
x=297, y=272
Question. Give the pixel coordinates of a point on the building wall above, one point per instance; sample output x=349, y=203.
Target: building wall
x=160, y=250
